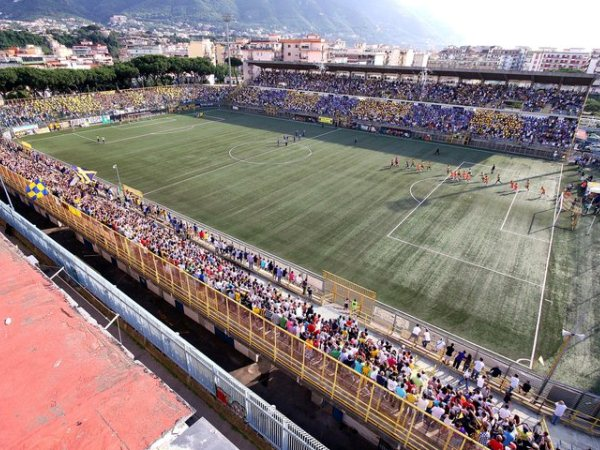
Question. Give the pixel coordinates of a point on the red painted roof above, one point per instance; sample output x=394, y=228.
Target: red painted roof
x=63, y=382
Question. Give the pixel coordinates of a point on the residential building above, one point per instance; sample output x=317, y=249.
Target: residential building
x=262, y=50
x=204, y=48
x=551, y=59
x=311, y=49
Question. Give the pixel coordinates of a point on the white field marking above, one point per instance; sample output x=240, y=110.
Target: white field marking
x=120, y=125
x=464, y=261
x=522, y=361
x=526, y=236
x=366, y=132
x=154, y=133
x=145, y=123
x=216, y=117
x=539, y=318
x=498, y=169
x=228, y=165
x=84, y=137
x=421, y=202
x=235, y=158
x=411, y=186
x=508, y=212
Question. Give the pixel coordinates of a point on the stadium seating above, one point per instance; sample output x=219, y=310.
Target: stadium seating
x=55, y=108
x=498, y=95
x=488, y=124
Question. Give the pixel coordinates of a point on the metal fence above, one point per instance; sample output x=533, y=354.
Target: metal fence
x=262, y=417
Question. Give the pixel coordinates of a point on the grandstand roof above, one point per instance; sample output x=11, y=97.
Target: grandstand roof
x=565, y=78
x=66, y=383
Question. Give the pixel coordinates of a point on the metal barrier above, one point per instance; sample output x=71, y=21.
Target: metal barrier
x=364, y=398
x=262, y=417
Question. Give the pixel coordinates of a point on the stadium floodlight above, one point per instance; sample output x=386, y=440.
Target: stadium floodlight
x=227, y=18
x=120, y=186
x=567, y=336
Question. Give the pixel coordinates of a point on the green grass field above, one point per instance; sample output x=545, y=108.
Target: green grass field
x=469, y=258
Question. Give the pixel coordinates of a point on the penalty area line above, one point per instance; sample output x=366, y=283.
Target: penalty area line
x=435, y=252
x=421, y=202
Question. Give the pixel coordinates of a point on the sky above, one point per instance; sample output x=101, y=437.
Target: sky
x=510, y=23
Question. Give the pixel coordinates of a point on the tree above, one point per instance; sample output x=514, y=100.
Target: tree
x=125, y=73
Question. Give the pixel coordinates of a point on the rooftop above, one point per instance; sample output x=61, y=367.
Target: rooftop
x=67, y=383
x=566, y=78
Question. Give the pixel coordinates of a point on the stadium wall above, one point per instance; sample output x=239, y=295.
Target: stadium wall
x=358, y=396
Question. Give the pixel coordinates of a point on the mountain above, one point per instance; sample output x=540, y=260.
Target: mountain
x=386, y=21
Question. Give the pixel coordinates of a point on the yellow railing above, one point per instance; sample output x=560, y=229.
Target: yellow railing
x=360, y=395
x=339, y=290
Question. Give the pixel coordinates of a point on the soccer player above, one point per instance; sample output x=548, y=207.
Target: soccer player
x=447, y=169
x=437, y=151
x=392, y=163
x=516, y=187
x=428, y=166
x=412, y=163
x=396, y=162
x=103, y=140
x=493, y=168
x=98, y=139
x=277, y=142
x=527, y=184
x=542, y=192
x=498, y=179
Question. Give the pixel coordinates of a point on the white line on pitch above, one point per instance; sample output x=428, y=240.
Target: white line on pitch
x=539, y=318
x=154, y=133
x=525, y=236
x=464, y=261
x=84, y=137
x=231, y=164
x=508, y=212
x=422, y=201
x=411, y=186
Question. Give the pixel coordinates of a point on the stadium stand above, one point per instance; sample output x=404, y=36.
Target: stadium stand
x=55, y=108
x=553, y=99
x=501, y=126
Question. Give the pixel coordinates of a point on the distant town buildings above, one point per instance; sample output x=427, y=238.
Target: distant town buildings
x=182, y=41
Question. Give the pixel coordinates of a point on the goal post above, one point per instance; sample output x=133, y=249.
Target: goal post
x=360, y=300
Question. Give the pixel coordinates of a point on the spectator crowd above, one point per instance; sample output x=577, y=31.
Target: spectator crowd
x=64, y=107
x=497, y=95
x=501, y=126
x=468, y=407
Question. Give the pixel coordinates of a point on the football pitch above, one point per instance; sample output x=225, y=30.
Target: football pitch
x=471, y=258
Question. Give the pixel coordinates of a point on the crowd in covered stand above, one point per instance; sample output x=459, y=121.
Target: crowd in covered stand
x=49, y=109
x=497, y=95
x=469, y=409
x=481, y=123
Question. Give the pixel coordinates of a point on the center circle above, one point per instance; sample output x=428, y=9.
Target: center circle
x=295, y=147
